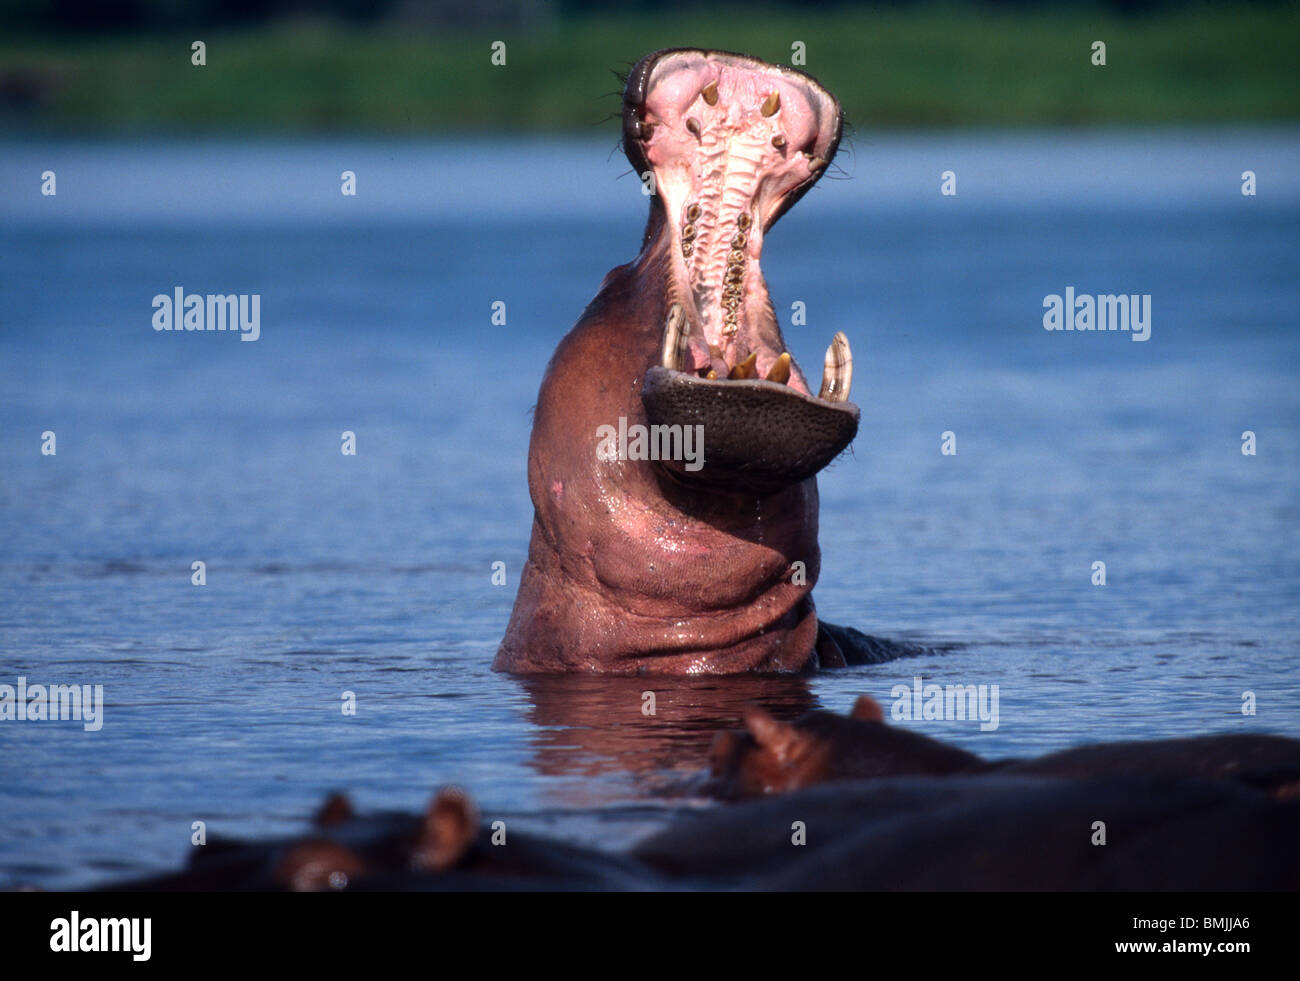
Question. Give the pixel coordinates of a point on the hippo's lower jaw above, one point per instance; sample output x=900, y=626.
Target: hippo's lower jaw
x=756, y=434
x=732, y=143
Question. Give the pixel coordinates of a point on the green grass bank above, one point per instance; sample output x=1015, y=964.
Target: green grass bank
x=890, y=67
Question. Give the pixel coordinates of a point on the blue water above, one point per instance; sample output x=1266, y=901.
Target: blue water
x=372, y=574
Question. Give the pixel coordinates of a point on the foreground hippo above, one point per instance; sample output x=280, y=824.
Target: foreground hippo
x=948, y=833
x=445, y=848
x=992, y=833
x=777, y=757
x=675, y=441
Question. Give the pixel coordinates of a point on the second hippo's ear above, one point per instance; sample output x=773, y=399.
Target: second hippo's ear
x=336, y=810
x=867, y=709
x=724, y=750
x=778, y=738
x=450, y=826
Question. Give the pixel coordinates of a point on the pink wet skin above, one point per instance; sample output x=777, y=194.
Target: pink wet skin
x=732, y=161
x=630, y=570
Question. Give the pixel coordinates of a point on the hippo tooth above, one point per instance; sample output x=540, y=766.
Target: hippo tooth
x=677, y=332
x=745, y=369
x=780, y=370
x=710, y=93
x=837, y=375
x=778, y=141
x=771, y=104
x=694, y=126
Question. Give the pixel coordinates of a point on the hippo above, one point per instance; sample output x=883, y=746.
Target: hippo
x=443, y=849
x=956, y=832
x=997, y=832
x=675, y=443
x=770, y=756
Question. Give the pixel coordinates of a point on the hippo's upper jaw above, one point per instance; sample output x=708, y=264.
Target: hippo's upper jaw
x=732, y=143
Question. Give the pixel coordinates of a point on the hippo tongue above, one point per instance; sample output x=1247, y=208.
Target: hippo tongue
x=732, y=143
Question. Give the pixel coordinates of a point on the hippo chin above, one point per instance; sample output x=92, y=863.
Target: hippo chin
x=675, y=440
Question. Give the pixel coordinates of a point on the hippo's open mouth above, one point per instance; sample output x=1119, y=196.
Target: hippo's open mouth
x=732, y=143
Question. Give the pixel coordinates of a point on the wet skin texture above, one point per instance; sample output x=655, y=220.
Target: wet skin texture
x=645, y=566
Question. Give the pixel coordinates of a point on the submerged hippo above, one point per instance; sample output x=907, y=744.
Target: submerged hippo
x=992, y=833
x=675, y=440
x=770, y=756
x=445, y=848
x=952, y=833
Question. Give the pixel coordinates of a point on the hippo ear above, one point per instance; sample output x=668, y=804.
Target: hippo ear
x=778, y=738
x=724, y=750
x=449, y=828
x=336, y=810
x=867, y=709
